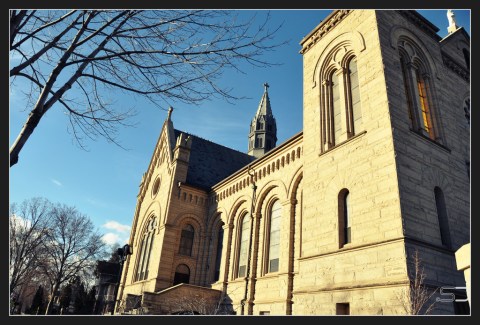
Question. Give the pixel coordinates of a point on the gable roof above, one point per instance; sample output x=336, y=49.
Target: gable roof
x=210, y=162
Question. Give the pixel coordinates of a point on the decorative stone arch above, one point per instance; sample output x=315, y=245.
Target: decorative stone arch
x=187, y=263
x=143, y=245
x=213, y=217
x=239, y=202
x=400, y=34
x=352, y=43
x=188, y=218
x=181, y=219
x=418, y=60
x=295, y=181
x=265, y=190
x=433, y=177
x=153, y=210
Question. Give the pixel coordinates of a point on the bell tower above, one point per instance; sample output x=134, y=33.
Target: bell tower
x=263, y=129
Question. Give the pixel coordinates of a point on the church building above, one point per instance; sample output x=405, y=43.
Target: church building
x=329, y=221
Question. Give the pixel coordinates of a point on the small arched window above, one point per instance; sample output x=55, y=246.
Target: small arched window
x=442, y=217
x=182, y=274
x=145, y=250
x=243, y=246
x=344, y=218
x=274, y=237
x=186, y=240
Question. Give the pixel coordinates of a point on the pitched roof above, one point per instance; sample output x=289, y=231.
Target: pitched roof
x=210, y=162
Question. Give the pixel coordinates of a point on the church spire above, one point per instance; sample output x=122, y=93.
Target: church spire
x=263, y=129
x=264, y=107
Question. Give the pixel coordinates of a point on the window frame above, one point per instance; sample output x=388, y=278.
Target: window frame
x=145, y=249
x=244, y=220
x=338, y=112
x=344, y=218
x=268, y=242
x=185, y=246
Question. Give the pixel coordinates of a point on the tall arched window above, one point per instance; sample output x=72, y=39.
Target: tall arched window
x=344, y=218
x=274, y=237
x=243, y=247
x=442, y=217
x=186, y=240
x=145, y=250
x=466, y=55
x=218, y=257
x=182, y=274
x=466, y=109
x=418, y=89
x=353, y=93
x=340, y=111
x=336, y=108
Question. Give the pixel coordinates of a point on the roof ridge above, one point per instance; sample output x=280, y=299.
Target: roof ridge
x=220, y=145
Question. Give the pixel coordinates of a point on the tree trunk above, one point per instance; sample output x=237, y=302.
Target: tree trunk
x=27, y=130
x=52, y=297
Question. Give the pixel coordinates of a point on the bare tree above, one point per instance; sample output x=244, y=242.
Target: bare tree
x=74, y=58
x=72, y=246
x=28, y=226
x=200, y=306
x=415, y=299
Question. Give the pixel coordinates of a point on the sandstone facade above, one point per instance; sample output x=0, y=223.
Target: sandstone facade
x=407, y=186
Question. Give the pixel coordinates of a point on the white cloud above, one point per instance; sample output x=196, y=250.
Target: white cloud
x=114, y=225
x=111, y=238
x=54, y=181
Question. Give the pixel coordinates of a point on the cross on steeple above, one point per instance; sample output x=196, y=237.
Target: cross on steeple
x=263, y=128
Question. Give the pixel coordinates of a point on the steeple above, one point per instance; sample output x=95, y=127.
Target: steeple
x=263, y=129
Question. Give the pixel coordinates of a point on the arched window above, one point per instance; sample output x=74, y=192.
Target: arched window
x=274, y=237
x=243, y=246
x=336, y=108
x=442, y=217
x=182, y=274
x=344, y=218
x=354, y=111
x=418, y=90
x=145, y=250
x=341, y=116
x=186, y=240
x=218, y=258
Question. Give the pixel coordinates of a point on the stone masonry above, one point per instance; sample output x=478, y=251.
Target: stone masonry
x=393, y=175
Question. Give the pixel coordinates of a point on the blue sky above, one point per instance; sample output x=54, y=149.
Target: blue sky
x=103, y=182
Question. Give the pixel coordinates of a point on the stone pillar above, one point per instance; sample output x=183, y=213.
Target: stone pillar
x=462, y=256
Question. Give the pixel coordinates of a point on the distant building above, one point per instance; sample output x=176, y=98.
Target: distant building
x=325, y=223
x=108, y=273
